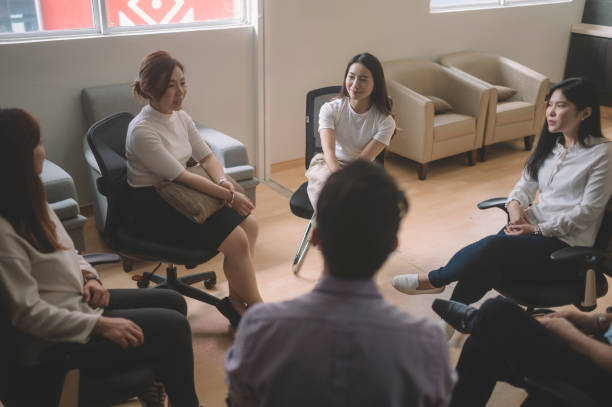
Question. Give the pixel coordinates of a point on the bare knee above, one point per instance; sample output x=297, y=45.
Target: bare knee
x=235, y=243
x=250, y=227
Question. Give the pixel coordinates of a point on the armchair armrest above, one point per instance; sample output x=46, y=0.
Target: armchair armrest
x=414, y=116
x=228, y=150
x=466, y=95
x=493, y=203
x=530, y=84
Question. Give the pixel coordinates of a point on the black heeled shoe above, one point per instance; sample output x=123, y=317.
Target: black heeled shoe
x=456, y=314
x=226, y=308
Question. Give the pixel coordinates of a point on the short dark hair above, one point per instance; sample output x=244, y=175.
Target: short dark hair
x=358, y=216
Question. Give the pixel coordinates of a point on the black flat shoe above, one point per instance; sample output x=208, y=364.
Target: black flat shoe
x=226, y=308
x=456, y=314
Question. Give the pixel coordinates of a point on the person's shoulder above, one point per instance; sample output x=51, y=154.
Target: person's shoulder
x=336, y=104
x=408, y=323
x=184, y=116
x=11, y=244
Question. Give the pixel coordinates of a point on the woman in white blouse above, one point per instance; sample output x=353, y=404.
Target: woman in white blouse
x=571, y=170
x=356, y=124
x=51, y=294
x=161, y=139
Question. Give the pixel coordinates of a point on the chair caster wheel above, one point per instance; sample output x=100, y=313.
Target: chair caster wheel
x=142, y=284
x=210, y=282
x=141, y=281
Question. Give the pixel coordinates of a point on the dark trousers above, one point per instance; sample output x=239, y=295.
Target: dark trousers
x=167, y=342
x=499, y=258
x=508, y=344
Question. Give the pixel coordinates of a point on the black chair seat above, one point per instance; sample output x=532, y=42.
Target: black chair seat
x=148, y=250
x=300, y=203
x=550, y=294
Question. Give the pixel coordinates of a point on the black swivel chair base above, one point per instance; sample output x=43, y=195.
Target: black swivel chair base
x=181, y=285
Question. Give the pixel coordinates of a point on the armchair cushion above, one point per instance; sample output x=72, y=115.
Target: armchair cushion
x=504, y=92
x=512, y=112
x=440, y=105
x=450, y=125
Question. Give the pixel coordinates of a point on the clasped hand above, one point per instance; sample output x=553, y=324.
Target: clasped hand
x=518, y=223
x=95, y=294
x=241, y=203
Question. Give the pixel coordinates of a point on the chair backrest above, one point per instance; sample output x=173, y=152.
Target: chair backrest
x=314, y=100
x=102, y=101
x=603, y=241
x=106, y=139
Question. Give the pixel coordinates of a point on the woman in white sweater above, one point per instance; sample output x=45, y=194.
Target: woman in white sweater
x=570, y=169
x=51, y=294
x=161, y=139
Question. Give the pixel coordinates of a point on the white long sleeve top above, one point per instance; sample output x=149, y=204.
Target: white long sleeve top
x=574, y=186
x=158, y=146
x=44, y=291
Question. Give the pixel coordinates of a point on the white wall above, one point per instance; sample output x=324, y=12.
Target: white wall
x=308, y=44
x=46, y=79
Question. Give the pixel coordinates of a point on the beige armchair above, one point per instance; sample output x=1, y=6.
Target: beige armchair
x=522, y=114
x=424, y=136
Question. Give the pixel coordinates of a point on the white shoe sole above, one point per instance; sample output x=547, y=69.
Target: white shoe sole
x=407, y=284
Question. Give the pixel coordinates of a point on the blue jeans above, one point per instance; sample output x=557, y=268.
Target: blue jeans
x=500, y=258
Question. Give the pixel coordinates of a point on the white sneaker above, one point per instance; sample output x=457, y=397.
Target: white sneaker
x=408, y=283
x=448, y=330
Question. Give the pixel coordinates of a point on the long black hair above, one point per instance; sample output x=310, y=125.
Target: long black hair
x=581, y=92
x=379, y=96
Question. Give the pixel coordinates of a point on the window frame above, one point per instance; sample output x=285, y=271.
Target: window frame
x=101, y=28
x=492, y=4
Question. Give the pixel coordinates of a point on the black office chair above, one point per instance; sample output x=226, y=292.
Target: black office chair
x=107, y=141
x=590, y=282
x=300, y=203
x=42, y=384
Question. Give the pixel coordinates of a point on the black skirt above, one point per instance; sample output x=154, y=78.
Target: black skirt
x=152, y=218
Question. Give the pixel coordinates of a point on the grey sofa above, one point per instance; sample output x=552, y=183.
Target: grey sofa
x=102, y=101
x=62, y=198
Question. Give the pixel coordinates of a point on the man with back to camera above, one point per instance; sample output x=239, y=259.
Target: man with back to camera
x=342, y=344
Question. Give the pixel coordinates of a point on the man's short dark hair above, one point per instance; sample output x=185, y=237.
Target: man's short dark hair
x=358, y=216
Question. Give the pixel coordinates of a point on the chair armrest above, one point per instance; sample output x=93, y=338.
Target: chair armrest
x=466, y=95
x=414, y=118
x=101, y=258
x=228, y=150
x=493, y=203
x=589, y=254
x=530, y=84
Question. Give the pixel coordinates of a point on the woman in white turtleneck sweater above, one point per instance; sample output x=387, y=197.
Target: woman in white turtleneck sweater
x=51, y=294
x=161, y=139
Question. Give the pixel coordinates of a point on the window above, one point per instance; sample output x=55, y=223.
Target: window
x=455, y=5
x=23, y=19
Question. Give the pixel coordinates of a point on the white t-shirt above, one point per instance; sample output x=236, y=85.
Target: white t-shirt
x=353, y=131
x=158, y=146
x=574, y=185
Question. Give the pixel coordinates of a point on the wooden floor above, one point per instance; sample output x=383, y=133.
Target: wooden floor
x=442, y=219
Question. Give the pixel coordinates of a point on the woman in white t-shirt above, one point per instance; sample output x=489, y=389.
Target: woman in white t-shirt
x=356, y=124
x=161, y=139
